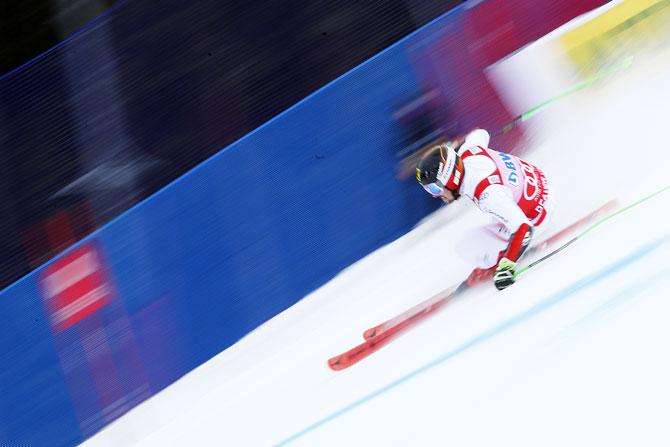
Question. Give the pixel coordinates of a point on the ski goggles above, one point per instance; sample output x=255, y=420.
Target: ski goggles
x=434, y=188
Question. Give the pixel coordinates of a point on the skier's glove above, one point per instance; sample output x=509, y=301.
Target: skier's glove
x=505, y=274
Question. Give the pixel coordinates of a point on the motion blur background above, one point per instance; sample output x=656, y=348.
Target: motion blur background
x=183, y=171
x=173, y=83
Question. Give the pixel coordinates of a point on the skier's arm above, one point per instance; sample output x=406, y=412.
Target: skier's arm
x=478, y=137
x=496, y=201
x=505, y=274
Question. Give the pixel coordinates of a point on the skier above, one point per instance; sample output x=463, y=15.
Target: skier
x=513, y=192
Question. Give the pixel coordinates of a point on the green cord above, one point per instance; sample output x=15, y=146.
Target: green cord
x=626, y=208
x=593, y=226
x=627, y=62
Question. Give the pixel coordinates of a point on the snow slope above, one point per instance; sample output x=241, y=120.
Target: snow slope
x=575, y=353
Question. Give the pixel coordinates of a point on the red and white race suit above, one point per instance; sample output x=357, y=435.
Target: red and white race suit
x=513, y=192
x=504, y=186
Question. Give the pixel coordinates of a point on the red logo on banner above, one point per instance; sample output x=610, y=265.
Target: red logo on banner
x=75, y=286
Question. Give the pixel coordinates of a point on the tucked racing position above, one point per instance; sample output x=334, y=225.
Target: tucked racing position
x=512, y=191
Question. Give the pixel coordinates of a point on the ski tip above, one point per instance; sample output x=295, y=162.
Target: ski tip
x=370, y=333
x=337, y=363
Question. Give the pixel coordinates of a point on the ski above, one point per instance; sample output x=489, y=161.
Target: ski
x=430, y=303
x=378, y=336
x=402, y=322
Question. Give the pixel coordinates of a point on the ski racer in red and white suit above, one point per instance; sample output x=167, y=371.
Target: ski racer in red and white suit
x=513, y=192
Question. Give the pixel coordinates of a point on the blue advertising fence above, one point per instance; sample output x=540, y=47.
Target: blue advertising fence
x=226, y=247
